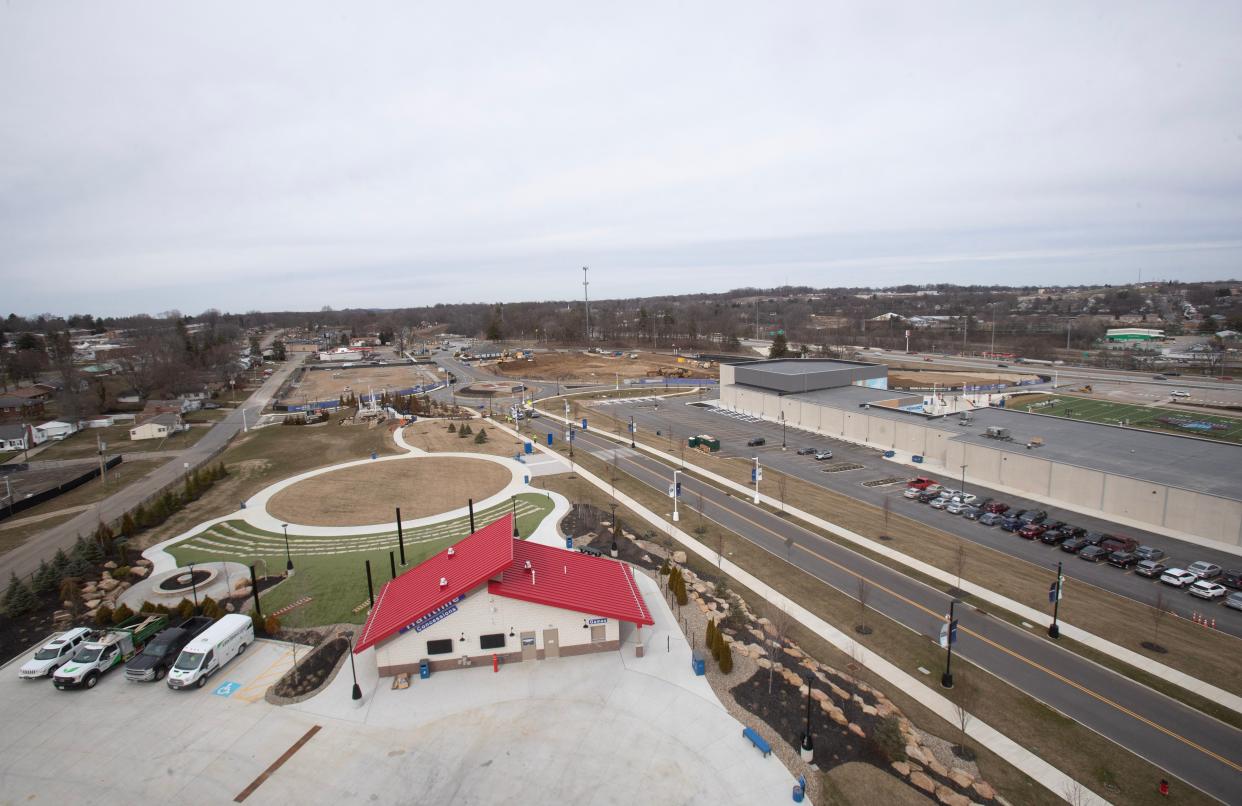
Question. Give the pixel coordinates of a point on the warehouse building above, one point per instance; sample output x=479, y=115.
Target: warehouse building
x=492, y=594
x=1189, y=488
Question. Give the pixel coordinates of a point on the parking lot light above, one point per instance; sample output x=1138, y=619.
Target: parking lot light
x=288, y=556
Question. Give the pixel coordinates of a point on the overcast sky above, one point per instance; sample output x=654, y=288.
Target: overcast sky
x=289, y=155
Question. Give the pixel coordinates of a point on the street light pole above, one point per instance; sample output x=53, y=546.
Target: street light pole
x=194, y=588
x=946, y=679
x=676, y=515
x=513, y=501
x=783, y=447
x=1053, y=630
x=288, y=556
x=757, y=473
x=808, y=748
x=964, y=480
x=357, y=695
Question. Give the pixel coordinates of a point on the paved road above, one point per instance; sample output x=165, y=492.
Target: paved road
x=685, y=420
x=1188, y=744
x=25, y=558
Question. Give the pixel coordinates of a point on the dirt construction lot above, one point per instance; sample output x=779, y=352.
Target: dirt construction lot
x=330, y=384
x=590, y=366
x=367, y=494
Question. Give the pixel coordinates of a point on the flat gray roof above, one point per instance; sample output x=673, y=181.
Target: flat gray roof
x=799, y=366
x=847, y=395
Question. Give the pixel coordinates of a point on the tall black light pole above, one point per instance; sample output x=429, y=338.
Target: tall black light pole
x=950, y=635
x=193, y=588
x=808, y=748
x=288, y=556
x=1054, y=593
x=357, y=695
x=513, y=501
x=632, y=445
x=783, y=446
x=400, y=537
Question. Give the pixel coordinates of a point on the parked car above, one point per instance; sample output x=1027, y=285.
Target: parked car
x=1179, y=393
x=1054, y=536
x=1159, y=378
x=939, y=502
x=955, y=507
x=971, y=512
x=1115, y=543
x=1207, y=590
x=805, y=451
x=1073, y=531
x=1122, y=559
x=54, y=654
x=755, y=442
x=921, y=483
x=822, y=455
x=1231, y=578
x=1033, y=516
x=1003, y=366
x=1074, y=544
x=1096, y=538
x=965, y=498
x=155, y=659
x=1010, y=523
x=1234, y=600
x=990, y=518
x=1092, y=554
x=1150, y=568
x=1178, y=577
x=981, y=502
x=1149, y=553
x=210, y=651
x=999, y=507
x=1204, y=570
x=1031, y=531
x=927, y=496
x=912, y=492
x=1052, y=524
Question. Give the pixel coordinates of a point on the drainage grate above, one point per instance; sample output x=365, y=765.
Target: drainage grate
x=882, y=482
x=842, y=467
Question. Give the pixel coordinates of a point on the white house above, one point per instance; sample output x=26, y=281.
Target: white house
x=342, y=354
x=54, y=429
x=99, y=421
x=494, y=596
x=14, y=436
x=157, y=427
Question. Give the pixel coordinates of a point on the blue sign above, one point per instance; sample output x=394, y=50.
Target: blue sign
x=443, y=611
x=597, y=621
x=226, y=688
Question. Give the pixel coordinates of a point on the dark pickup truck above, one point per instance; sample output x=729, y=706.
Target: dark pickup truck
x=153, y=662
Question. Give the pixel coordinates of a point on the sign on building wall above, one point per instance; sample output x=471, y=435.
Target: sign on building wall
x=597, y=621
x=443, y=611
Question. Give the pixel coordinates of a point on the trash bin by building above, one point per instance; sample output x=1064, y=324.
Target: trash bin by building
x=424, y=669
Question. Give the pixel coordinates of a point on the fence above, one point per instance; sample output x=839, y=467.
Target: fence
x=675, y=381
x=12, y=508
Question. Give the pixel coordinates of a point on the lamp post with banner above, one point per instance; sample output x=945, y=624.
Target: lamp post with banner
x=1055, y=591
x=674, y=492
x=756, y=475
x=948, y=637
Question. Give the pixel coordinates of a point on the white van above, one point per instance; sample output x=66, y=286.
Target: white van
x=52, y=655
x=209, y=652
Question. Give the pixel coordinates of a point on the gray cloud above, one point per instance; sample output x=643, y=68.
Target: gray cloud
x=290, y=155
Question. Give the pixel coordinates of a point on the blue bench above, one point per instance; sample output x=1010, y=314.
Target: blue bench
x=757, y=741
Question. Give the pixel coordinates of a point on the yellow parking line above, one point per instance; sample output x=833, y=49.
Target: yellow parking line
x=254, y=690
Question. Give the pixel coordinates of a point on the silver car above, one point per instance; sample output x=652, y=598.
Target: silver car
x=1234, y=600
x=939, y=503
x=1204, y=570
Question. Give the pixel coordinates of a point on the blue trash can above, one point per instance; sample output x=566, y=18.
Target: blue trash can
x=424, y=669
x=696, y=663
x=529, y=448
x=918, y=460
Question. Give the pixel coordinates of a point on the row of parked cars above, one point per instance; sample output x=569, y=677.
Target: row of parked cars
x=1203, y=579
x=147, y=646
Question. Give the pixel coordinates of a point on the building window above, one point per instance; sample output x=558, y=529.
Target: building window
x=441, y=647
x=493, y=641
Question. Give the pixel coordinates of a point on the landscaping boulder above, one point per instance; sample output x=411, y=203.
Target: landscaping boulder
x=139, y=571
x=793, y=651
x=763, y=663
x=108, y=584
x=950, y=798
x=984, y=789
x=92, y=604
x=961, y=778
x=936, y=767
x=923, y=782
x=868, y=710
x=901, y=768
x=915, y=753
x=838, y=692
x=857, y=731
x=819, y=695
x=110, y=564
x=679, y=557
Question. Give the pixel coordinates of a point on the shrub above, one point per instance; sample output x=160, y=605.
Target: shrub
x=726, y=656
x=711, y=633
x=211, y=608
x=271, y=625
x=103, y=616
x=18, y=598
x=45, y=578
x=887, y=738
x=147, y=607
x=452, y=428
x=680, y=591
x=665, y=570
x=121, y=572
x=185, y=609
x=121, y=614
x=257, y=621
x=480, y=437
x=128, y=525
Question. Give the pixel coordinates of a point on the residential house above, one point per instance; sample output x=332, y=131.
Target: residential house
x=54, y=429
x=14, y=437
x=171, y=406
x=19, y=408
x=158, y=426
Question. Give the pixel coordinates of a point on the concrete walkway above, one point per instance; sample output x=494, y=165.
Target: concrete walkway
x=1032, y=765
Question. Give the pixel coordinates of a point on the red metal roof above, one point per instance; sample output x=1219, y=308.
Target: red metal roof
x=417, y=592
x=573, y=581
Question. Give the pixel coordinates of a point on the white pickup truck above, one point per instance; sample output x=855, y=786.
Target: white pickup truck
x=93, y=658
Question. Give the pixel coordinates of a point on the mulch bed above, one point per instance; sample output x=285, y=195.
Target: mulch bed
x=18, y=634
x=313, y=670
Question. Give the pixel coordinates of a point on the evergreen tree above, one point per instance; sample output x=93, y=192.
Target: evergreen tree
x=77, y=567
x=726, y=657
x=128, y=526
x=452, y=429
x=79, y=547
x=94, y=548
x=141, y=517
x=103, y=616
x=779, y=348
x=60, y=561
x=121, y=614
x=10, y=593
x=480, y=437
x=711, y=633
x=45, y=579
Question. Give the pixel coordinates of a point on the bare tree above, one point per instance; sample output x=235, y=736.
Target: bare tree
x=701, y=529
x=781, y=482
x=779, y=624
x=888, y=508
x=864, y=591
x=964, y=700
x=959, y=564
x=1160, y=610
x=719, y=550
x=1074, y=793
x=789, y=546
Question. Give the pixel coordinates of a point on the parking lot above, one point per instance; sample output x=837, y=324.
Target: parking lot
x=874, y=479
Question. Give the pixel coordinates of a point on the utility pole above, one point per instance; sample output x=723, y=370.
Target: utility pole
x=993, y=329
x=103, y=465
x=586, y=298
x=1054, y=593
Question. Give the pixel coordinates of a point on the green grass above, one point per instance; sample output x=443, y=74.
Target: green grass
x=85, y=442
x=331, y=570
x=1227, y=429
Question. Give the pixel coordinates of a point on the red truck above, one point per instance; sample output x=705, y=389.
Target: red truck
x=921, y=483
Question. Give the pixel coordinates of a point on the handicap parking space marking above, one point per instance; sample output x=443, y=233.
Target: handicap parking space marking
x=226, y=688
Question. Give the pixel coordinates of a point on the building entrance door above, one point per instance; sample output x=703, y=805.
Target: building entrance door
x=529, y=652
x=551, y=644
x=597, y=634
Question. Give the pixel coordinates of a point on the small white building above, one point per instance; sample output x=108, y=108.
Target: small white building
x=342, y=354
x=54, y=429
x=492, y=595
x=158, y=427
